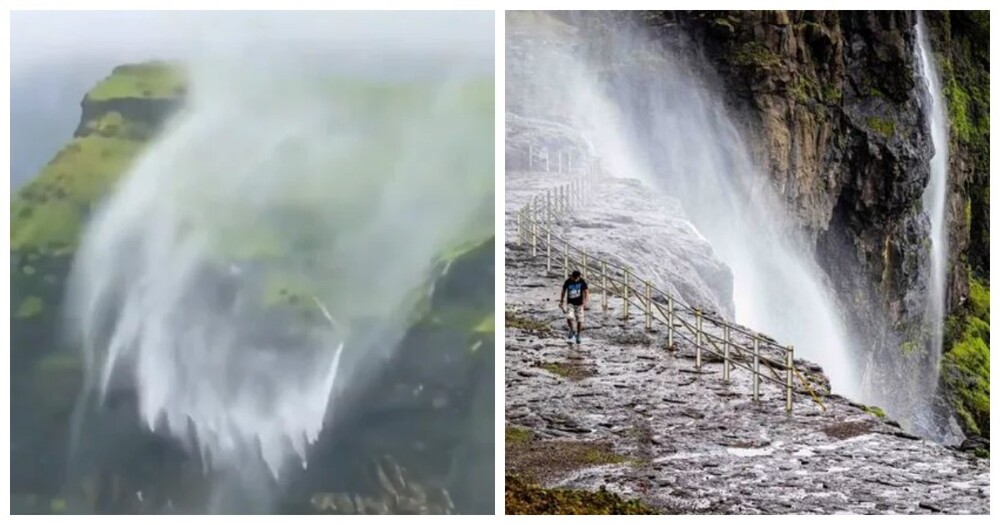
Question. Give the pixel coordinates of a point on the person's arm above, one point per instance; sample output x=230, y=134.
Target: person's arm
x=586, y=294
x=562, y=297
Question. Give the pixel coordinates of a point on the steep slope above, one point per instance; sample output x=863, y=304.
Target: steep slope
x=48, y=215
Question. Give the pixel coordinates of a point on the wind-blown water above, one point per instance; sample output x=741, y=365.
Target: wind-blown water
x=267, y=251
x=934, y=199
x=654, y=118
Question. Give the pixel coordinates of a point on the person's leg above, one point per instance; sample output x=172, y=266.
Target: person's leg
x=569, y=319
x=579, y=322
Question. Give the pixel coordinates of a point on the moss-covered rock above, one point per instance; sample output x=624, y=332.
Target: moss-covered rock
x=966, y=362
x=30, y=307
x=522, y=497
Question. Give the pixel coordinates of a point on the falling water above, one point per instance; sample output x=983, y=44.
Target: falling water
x=267, y=250
x=653, y=118
x=934, y=198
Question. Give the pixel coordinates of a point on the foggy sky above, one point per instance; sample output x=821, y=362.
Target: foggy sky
x=57, y=56
x=38, y=36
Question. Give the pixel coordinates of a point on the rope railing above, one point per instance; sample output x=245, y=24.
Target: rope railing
x=762, y=356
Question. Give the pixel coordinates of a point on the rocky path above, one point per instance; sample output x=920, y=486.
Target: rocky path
x=683, y=441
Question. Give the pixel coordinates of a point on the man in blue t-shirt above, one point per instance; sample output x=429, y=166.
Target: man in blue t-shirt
x=572, y=301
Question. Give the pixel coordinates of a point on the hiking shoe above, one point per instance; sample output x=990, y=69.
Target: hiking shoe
x=570, y=335
x=577, y=338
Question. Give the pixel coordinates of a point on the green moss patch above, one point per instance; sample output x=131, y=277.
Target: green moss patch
x=523, y=497
x=966, y=362
x=537, y=459
x=755, y=54
x=875, y=411
x=487, y=325
x=886, y=128
x=48, y=213
x=570, y=370
x=517, y=435
x=30, y=307
x=514, y=320
x=146, y=80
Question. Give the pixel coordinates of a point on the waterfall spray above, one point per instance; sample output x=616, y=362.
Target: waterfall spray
x=934, y=199
x=266, y=251
x=652, y=117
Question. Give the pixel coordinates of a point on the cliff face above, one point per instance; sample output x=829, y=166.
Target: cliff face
x=426, y=418
x=831, y=107
x=47, y=217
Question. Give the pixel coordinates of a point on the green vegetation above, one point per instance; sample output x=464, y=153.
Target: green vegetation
x=875, y=411
x=571, y=371
x=967, y=360
x=487, y=325
x=803, y=89
x=755, y=54
x=515, y=435
x=886, y=128
x=961, y=43
x=522, y=497
x=832, y=94
x=30, y=307
x=47, y=213
x=513, y=320
x=909, y=347
x=146, y=80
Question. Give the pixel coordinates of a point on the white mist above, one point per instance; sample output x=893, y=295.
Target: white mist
x=278, y=178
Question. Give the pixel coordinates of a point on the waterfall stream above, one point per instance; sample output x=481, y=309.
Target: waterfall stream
x=934, y=199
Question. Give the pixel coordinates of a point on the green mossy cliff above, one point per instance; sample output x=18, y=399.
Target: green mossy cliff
x=960, y=40
x=48, y=214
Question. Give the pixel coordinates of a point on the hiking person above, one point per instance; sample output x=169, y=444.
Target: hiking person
x=572, y=301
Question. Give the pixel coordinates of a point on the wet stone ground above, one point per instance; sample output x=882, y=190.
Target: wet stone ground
x=683, y=441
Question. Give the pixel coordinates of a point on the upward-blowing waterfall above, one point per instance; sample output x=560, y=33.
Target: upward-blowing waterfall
x=934, y=198
x=652, y=117
x=267, y=252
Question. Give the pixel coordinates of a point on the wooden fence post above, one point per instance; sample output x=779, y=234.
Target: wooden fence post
x=520, y=230
x=625, y=294
x=697, y=338
x=670, y=322
x=756, y=368
x=565, y=259
x=548, y=251
x=604, y=285
x=789, y=363
x=534, y=239
x=725, y=354
x=649, y=307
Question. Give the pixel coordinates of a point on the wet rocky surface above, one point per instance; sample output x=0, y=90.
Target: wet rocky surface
x=687, y=442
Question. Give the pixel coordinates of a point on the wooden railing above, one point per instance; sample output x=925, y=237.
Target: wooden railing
x=737, y=346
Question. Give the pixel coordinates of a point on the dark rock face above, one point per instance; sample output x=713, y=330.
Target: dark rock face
x=150, y=113
x=830, y=104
